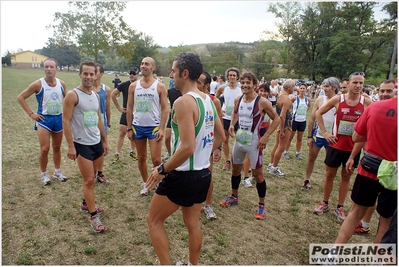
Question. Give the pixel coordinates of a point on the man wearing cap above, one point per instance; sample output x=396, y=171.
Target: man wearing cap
x=124, y=88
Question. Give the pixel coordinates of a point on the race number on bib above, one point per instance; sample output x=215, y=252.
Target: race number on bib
x=143, y=105
x=229, y=110
x=301, y=111
x=244, y=137
x=54, y=108
x=346, y=127
x=90, y=119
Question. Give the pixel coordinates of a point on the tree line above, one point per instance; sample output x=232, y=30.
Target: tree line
x=314, y=40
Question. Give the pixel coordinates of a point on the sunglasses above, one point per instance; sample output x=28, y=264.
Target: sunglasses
x=389, y=91
x=358, y=73
x=133, y=73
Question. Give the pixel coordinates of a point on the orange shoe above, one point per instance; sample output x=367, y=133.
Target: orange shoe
x=230, y=201
x=260, y=214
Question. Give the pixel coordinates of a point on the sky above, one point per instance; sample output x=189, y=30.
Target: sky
x=169, y=23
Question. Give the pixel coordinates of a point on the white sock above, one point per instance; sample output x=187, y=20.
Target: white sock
x=117, y=153
x=57, y=170
x=296, y=153
x=365, y=224
x=44, y=173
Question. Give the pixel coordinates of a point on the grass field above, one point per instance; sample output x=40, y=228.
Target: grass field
x=43, y=226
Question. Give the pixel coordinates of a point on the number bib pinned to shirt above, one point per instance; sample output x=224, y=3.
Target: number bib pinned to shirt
x=244, y=137
x=346, y=127
x=143, y=105
x=229, y=110
x=54, y=108
x=90, y=118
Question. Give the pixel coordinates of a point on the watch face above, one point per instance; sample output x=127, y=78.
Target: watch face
x=160, y=169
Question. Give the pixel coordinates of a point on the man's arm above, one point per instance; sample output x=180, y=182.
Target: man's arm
x=100, y=126
x=234, y=117
x=218, y=107
x=266, y=107
x=163, y=98
x=129, y=109
x=333, y=102
x=32, y=89
x=114, y=94
x=220, y=91
x=69, y=103
x=63, y=86
x=108, y=105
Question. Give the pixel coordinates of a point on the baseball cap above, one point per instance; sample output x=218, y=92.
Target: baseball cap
x=134, y=70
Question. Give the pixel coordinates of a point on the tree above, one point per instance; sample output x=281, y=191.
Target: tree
x=6, y=59
x=94, y=27
x=288, y=12
x=65, y=54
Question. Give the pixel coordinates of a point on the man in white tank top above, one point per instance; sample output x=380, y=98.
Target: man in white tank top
x=86, y=138
x=230, y=92
x=146, y=115
x=315, y=139
x=49, y=93
x=184, y=179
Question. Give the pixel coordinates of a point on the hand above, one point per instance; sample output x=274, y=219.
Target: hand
x=130, y=135
x=105, y=146
x=310, y=142
x=349, y=165
x=71, y=154
x=36, y=117
x=231, y=131
x=122, y=110
x=262, y=143
x=159, y=135
x=154, y=179
x=332, y=139
x=217, y=155
x=282, y=133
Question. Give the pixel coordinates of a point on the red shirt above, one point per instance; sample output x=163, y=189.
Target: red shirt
x=379, y=123
x=345, y=118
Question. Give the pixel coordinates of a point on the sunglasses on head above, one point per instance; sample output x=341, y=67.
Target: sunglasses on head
x=358, y=73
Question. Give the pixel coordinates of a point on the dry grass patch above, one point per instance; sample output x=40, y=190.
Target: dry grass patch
x=43, y=225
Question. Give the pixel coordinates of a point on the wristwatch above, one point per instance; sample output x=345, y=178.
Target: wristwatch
x=129, y=129
x=161, y=169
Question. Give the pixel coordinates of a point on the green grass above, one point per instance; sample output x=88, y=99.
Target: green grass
x=43, y=225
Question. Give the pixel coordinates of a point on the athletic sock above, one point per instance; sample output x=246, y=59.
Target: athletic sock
x=339, y=206
x=99, y=173
x=365, y=224
x=93, y=213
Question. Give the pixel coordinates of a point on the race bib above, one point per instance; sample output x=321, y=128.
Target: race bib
x=229, y=110
x=54, y=108
x=328, y=128
x=90, y=119
x=143, y=105
x=346, y=127
x=266, y=118
x=301, y=111
x=244, y=137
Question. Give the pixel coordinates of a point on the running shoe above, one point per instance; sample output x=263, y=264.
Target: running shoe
x=339, y=212
x=179, y=263
x=260, y=214
x=116, y=159
x=322, y=208
x=210, y=214
x=360, y=230
x=227, y=166
x=299, y=156
x=144, y=191
x=285, y=155
x=247, y=182
x=133, y=155
x=97, y=224
x=306, y=185
x=101, y=179
x=60, y=176
x=166, y=157
x=269, y=167
x=230, y=201
x=276, y=171
x=85, y=209
x=45, y=179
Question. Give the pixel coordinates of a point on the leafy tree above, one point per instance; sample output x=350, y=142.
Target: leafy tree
x=65, y=54
x=93, y=27
x=6, y=59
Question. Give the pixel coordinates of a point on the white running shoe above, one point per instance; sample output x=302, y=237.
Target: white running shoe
x=45, y=179
x=60, y=176
x=247, y=182
x=144, y=191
